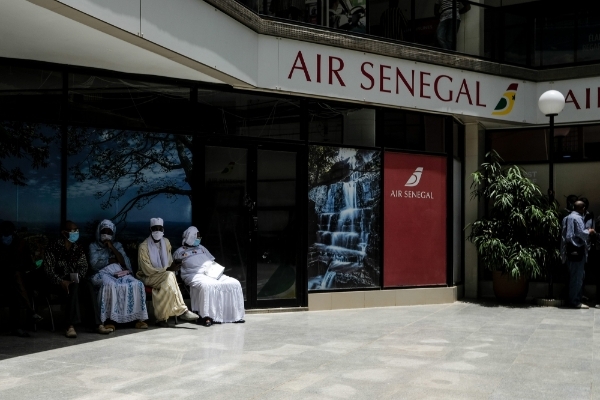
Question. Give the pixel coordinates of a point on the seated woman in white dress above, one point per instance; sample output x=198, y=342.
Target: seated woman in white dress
x=216, y=300
x=121, y=297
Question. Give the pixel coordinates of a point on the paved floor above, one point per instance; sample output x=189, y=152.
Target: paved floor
x=455, y=351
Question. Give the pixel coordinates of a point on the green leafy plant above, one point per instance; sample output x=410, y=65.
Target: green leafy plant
x=520, y=234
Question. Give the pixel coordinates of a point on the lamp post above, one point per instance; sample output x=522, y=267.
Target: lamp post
x=551, y=103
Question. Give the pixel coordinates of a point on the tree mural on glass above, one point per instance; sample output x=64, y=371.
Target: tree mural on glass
x=24, y=141
x=134, y=167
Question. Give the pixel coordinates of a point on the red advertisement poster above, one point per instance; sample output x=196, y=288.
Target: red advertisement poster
x=414, y=193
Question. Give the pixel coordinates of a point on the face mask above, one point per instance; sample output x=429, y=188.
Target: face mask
x=157, y=235
x=104, y=236
x=7, y=240
x=196, y=243
x=73, y=237
x=38, y=263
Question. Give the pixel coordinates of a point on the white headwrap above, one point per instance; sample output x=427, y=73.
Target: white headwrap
x=156, y=221
x=189, y=236
x=106, y=224
x=158, y=259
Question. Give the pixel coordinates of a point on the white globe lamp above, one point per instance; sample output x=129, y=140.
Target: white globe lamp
x=551, y=102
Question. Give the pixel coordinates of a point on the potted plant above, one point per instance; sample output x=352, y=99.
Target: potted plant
x=519, y=236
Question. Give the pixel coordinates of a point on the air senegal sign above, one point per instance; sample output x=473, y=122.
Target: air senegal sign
x=338, y=73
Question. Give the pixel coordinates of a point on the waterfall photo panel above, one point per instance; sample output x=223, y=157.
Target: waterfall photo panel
x=344, y=193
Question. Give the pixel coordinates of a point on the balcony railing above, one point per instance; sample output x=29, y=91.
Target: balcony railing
x=527, y=33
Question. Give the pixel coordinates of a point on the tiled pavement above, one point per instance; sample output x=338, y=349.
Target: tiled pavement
x=453, y=351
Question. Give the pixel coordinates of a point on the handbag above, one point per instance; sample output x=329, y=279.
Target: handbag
x=575, y=253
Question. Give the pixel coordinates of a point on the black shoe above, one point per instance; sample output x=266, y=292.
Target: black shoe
x=20, y=333
x=162, y=324
x=241, y=321
x=36, y=318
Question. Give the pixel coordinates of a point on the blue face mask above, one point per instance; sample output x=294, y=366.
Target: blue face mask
x=196, y=243
x=7, y=240
x=73, y=237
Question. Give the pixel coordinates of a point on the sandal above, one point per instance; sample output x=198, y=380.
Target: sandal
x=70, y=333
x=110, y=326
x=141, y=325
x=103, y=330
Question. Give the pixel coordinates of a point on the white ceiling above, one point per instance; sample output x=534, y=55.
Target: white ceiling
x=30, y=32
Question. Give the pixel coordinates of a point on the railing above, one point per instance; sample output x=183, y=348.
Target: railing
x=530, y=33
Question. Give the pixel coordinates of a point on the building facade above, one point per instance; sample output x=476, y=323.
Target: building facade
x=323, y=148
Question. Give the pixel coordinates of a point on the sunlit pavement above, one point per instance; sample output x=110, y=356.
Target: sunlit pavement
x=454, y=351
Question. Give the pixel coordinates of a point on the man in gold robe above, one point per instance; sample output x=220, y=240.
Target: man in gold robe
x=157, y=270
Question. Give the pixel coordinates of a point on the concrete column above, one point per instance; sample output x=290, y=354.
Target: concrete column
x=474, y=155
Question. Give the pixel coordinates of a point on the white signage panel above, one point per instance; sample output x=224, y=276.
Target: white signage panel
x=582, y=99
x=337, y=73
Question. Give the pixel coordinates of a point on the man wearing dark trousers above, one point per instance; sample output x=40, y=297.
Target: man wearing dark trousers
x=65, y=266
x=574, y=248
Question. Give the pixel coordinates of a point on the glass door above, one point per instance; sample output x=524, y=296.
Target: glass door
x=277, y=229
x=225, y=212
x=249, y=220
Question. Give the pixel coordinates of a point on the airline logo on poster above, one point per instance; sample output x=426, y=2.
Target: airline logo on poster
x=413, y=181
x=415, y=177
x=507, y=101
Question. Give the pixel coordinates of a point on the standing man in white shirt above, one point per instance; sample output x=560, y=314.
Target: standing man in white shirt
x=574, y=249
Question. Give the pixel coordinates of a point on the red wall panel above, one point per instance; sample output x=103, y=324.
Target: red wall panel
x=414, y=193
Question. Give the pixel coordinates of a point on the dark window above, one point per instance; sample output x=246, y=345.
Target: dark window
x=30, y=94
x=128, y=104
x=519, y=145
x=413, y=131
x=241, y=114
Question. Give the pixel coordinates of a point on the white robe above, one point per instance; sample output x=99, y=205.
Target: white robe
x=222, y=300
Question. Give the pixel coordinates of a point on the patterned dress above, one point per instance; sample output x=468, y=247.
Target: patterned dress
x=120, y=299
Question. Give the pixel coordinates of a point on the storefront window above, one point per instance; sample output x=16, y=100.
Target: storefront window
x=413, y=131
x=343, y=218
x=578, y=179
x=128, y=104
x=30, y=94
x=522, y=32
x=591, y=142
x=30, y=176
x=240, y=114
x=588, y=41
x=129, y=177
x=519, y=145
x=341, y=124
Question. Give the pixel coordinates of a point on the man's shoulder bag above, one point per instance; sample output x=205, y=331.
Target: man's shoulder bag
x=575, y=253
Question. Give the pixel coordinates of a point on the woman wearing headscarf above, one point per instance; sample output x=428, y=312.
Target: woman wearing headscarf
x=216, y=300
x=157, y=270
x=121, y=297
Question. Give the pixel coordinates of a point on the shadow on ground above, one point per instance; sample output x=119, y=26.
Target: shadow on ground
x=44, y=339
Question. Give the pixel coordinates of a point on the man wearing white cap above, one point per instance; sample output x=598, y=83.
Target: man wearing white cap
x=156, y=269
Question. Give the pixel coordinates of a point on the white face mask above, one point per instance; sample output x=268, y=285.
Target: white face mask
x=104, y=236
x=157, y=235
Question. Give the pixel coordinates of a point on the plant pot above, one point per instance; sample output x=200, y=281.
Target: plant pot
x=509, y=290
